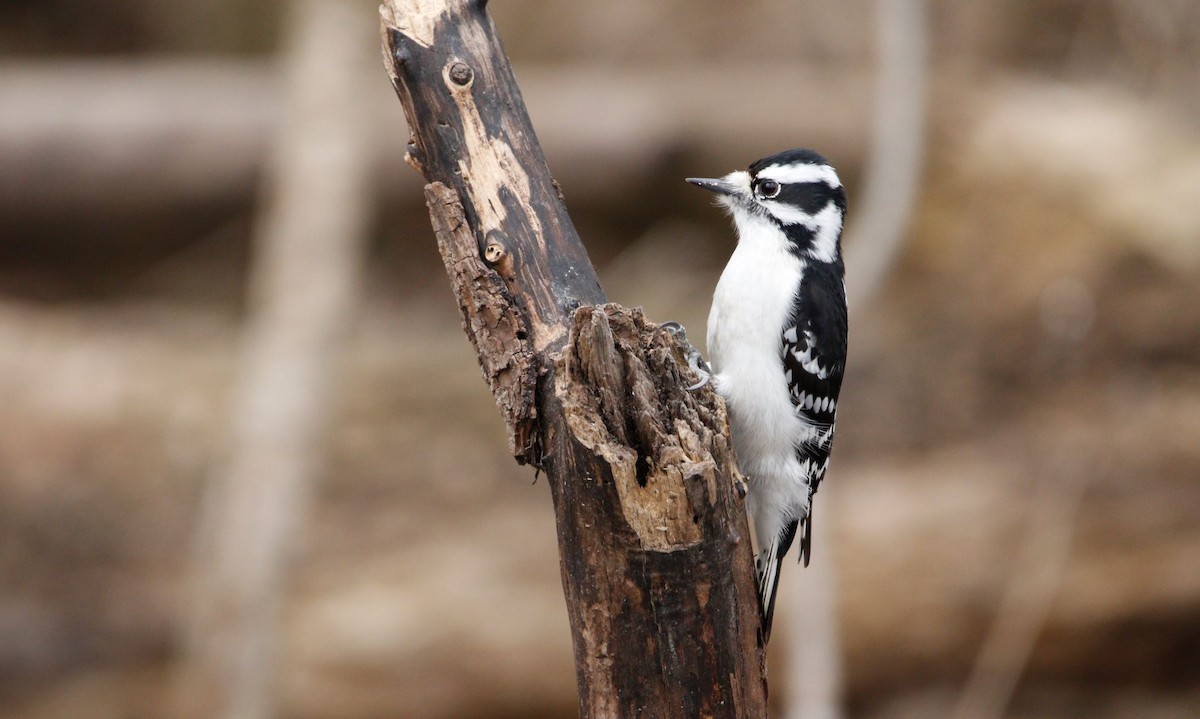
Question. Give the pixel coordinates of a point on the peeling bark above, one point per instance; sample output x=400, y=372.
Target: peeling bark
x=491, y=316
x=653, y=539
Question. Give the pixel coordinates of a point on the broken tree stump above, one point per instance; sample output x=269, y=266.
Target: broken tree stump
x=654, y=545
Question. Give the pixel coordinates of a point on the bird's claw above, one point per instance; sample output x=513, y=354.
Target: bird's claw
x=696, y=363
x=674, y=328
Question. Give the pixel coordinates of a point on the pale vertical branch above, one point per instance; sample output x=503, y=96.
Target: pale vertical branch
x=880, y=219
x=1027, y=601
x=1058, y=461
x=814, y=678
x=876, y=234
x=303, y=287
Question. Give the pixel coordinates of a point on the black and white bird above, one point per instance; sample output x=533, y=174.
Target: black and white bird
x=777, y=342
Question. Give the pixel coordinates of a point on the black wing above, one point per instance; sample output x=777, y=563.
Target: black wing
x=814, y=358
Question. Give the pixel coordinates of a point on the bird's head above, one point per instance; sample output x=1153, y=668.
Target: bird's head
x=797, y=191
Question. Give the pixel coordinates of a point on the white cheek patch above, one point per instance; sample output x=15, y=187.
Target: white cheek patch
x=787, y=174
x=789, y=214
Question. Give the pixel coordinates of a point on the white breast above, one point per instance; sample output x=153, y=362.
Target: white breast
x=753, y=300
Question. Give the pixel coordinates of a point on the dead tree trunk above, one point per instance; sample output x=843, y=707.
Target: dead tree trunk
x=655, y=550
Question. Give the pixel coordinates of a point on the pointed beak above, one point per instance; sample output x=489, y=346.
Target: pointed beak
x=715, y=185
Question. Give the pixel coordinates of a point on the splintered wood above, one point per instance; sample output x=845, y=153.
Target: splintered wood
x=661, y=455
x=494, y=323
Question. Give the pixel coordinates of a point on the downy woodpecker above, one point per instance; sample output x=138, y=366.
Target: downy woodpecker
x=777, y=342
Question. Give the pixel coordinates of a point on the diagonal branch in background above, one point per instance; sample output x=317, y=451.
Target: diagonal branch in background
x=655, y=551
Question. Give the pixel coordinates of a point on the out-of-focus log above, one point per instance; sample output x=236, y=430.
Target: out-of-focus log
x=148, y=133
x=133, y=133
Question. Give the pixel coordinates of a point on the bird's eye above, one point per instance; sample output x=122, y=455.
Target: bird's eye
x=767, y=188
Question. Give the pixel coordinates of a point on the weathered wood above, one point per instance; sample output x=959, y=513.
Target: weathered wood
x=495, y=326
x=654, y=544
x=470, y=131
x=655, y=551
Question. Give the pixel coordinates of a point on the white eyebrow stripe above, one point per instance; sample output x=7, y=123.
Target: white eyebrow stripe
x=801, y=173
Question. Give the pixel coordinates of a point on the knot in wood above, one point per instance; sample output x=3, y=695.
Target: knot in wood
x=460, y=73
x=494, y=253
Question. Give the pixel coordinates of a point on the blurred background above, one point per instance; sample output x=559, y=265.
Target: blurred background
x=248, y=467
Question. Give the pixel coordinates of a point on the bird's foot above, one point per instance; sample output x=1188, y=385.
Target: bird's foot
x=740, y=486
x=696, y=362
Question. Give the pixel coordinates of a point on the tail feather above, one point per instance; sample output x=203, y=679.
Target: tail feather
x=806, y=538
x=769, y=562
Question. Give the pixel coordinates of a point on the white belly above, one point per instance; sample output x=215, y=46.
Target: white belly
x=753, y=300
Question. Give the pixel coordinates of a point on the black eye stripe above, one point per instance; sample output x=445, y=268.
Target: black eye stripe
x=811, y=197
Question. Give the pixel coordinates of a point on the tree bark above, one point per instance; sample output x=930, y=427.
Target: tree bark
x=655, y=551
